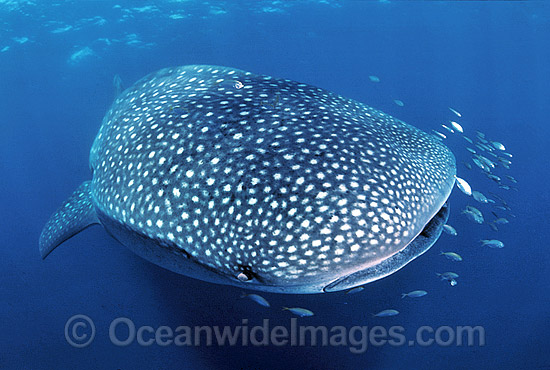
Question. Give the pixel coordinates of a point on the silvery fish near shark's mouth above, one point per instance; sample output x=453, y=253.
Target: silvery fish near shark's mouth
x=250, y=180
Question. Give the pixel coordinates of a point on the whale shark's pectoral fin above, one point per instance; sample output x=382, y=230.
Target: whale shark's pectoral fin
x=76, y=214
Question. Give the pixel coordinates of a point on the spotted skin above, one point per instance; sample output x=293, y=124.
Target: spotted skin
x=279, y=182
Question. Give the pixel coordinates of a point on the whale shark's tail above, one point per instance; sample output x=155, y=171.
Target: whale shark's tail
x=76, y=214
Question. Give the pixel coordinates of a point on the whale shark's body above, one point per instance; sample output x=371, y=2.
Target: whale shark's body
x=271, y=184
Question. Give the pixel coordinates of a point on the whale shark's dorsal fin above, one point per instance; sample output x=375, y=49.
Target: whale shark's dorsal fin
x=76, y=214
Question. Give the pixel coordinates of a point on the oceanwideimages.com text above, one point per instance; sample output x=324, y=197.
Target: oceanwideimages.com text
x=80, y=332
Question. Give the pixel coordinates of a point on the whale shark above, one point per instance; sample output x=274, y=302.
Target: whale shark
x=260, y=182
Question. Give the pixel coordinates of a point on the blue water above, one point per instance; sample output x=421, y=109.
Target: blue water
x=489, y=60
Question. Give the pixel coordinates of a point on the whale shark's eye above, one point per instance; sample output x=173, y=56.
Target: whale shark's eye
x=243, y=277
x=246, y=274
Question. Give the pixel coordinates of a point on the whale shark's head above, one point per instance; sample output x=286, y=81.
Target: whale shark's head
x=264, y=182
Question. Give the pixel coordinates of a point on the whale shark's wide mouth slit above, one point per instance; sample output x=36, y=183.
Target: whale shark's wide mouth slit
x=427, y=237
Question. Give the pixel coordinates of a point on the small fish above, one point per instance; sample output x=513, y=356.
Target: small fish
x=501, y=221
x=468, y=139
x=467, y=165
x=502, y=208
x=492, y=243
x=414, y=294
x=498, y=145
x=506, y=165
x=485, y=145
x=504, y=161
x=481, y=165
x=480, y=134
x=479, y=197
x=452, y=256
x=463, y=186
x=474, y=210
x=449, y=276
x=486, y=161
x=493, y=226
x=487, y=164
x=448, y=129
x=507, y=154
x=257, y=298
x=476, y=217
x=505, y=187
x=495, y=178
x=457, y=126
x=357, y=289
x=511, y=178
x=506, y=206
x=496, y=196
x=439, y=134
x=488, y=148
x=399, y=102
x=387, y=313
x=473, y=151
x=481, y=147
x=450, y=230
x=229, y=83
x=455, y=112
x=374, y=78
x=482, y=139
x=302, y=312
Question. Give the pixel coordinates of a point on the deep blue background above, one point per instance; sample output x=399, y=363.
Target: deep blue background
x=490, y=60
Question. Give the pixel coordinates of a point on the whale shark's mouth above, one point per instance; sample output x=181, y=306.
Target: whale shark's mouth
x=415, y=248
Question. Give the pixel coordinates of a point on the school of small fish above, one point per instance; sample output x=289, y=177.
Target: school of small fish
x=488, y=156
